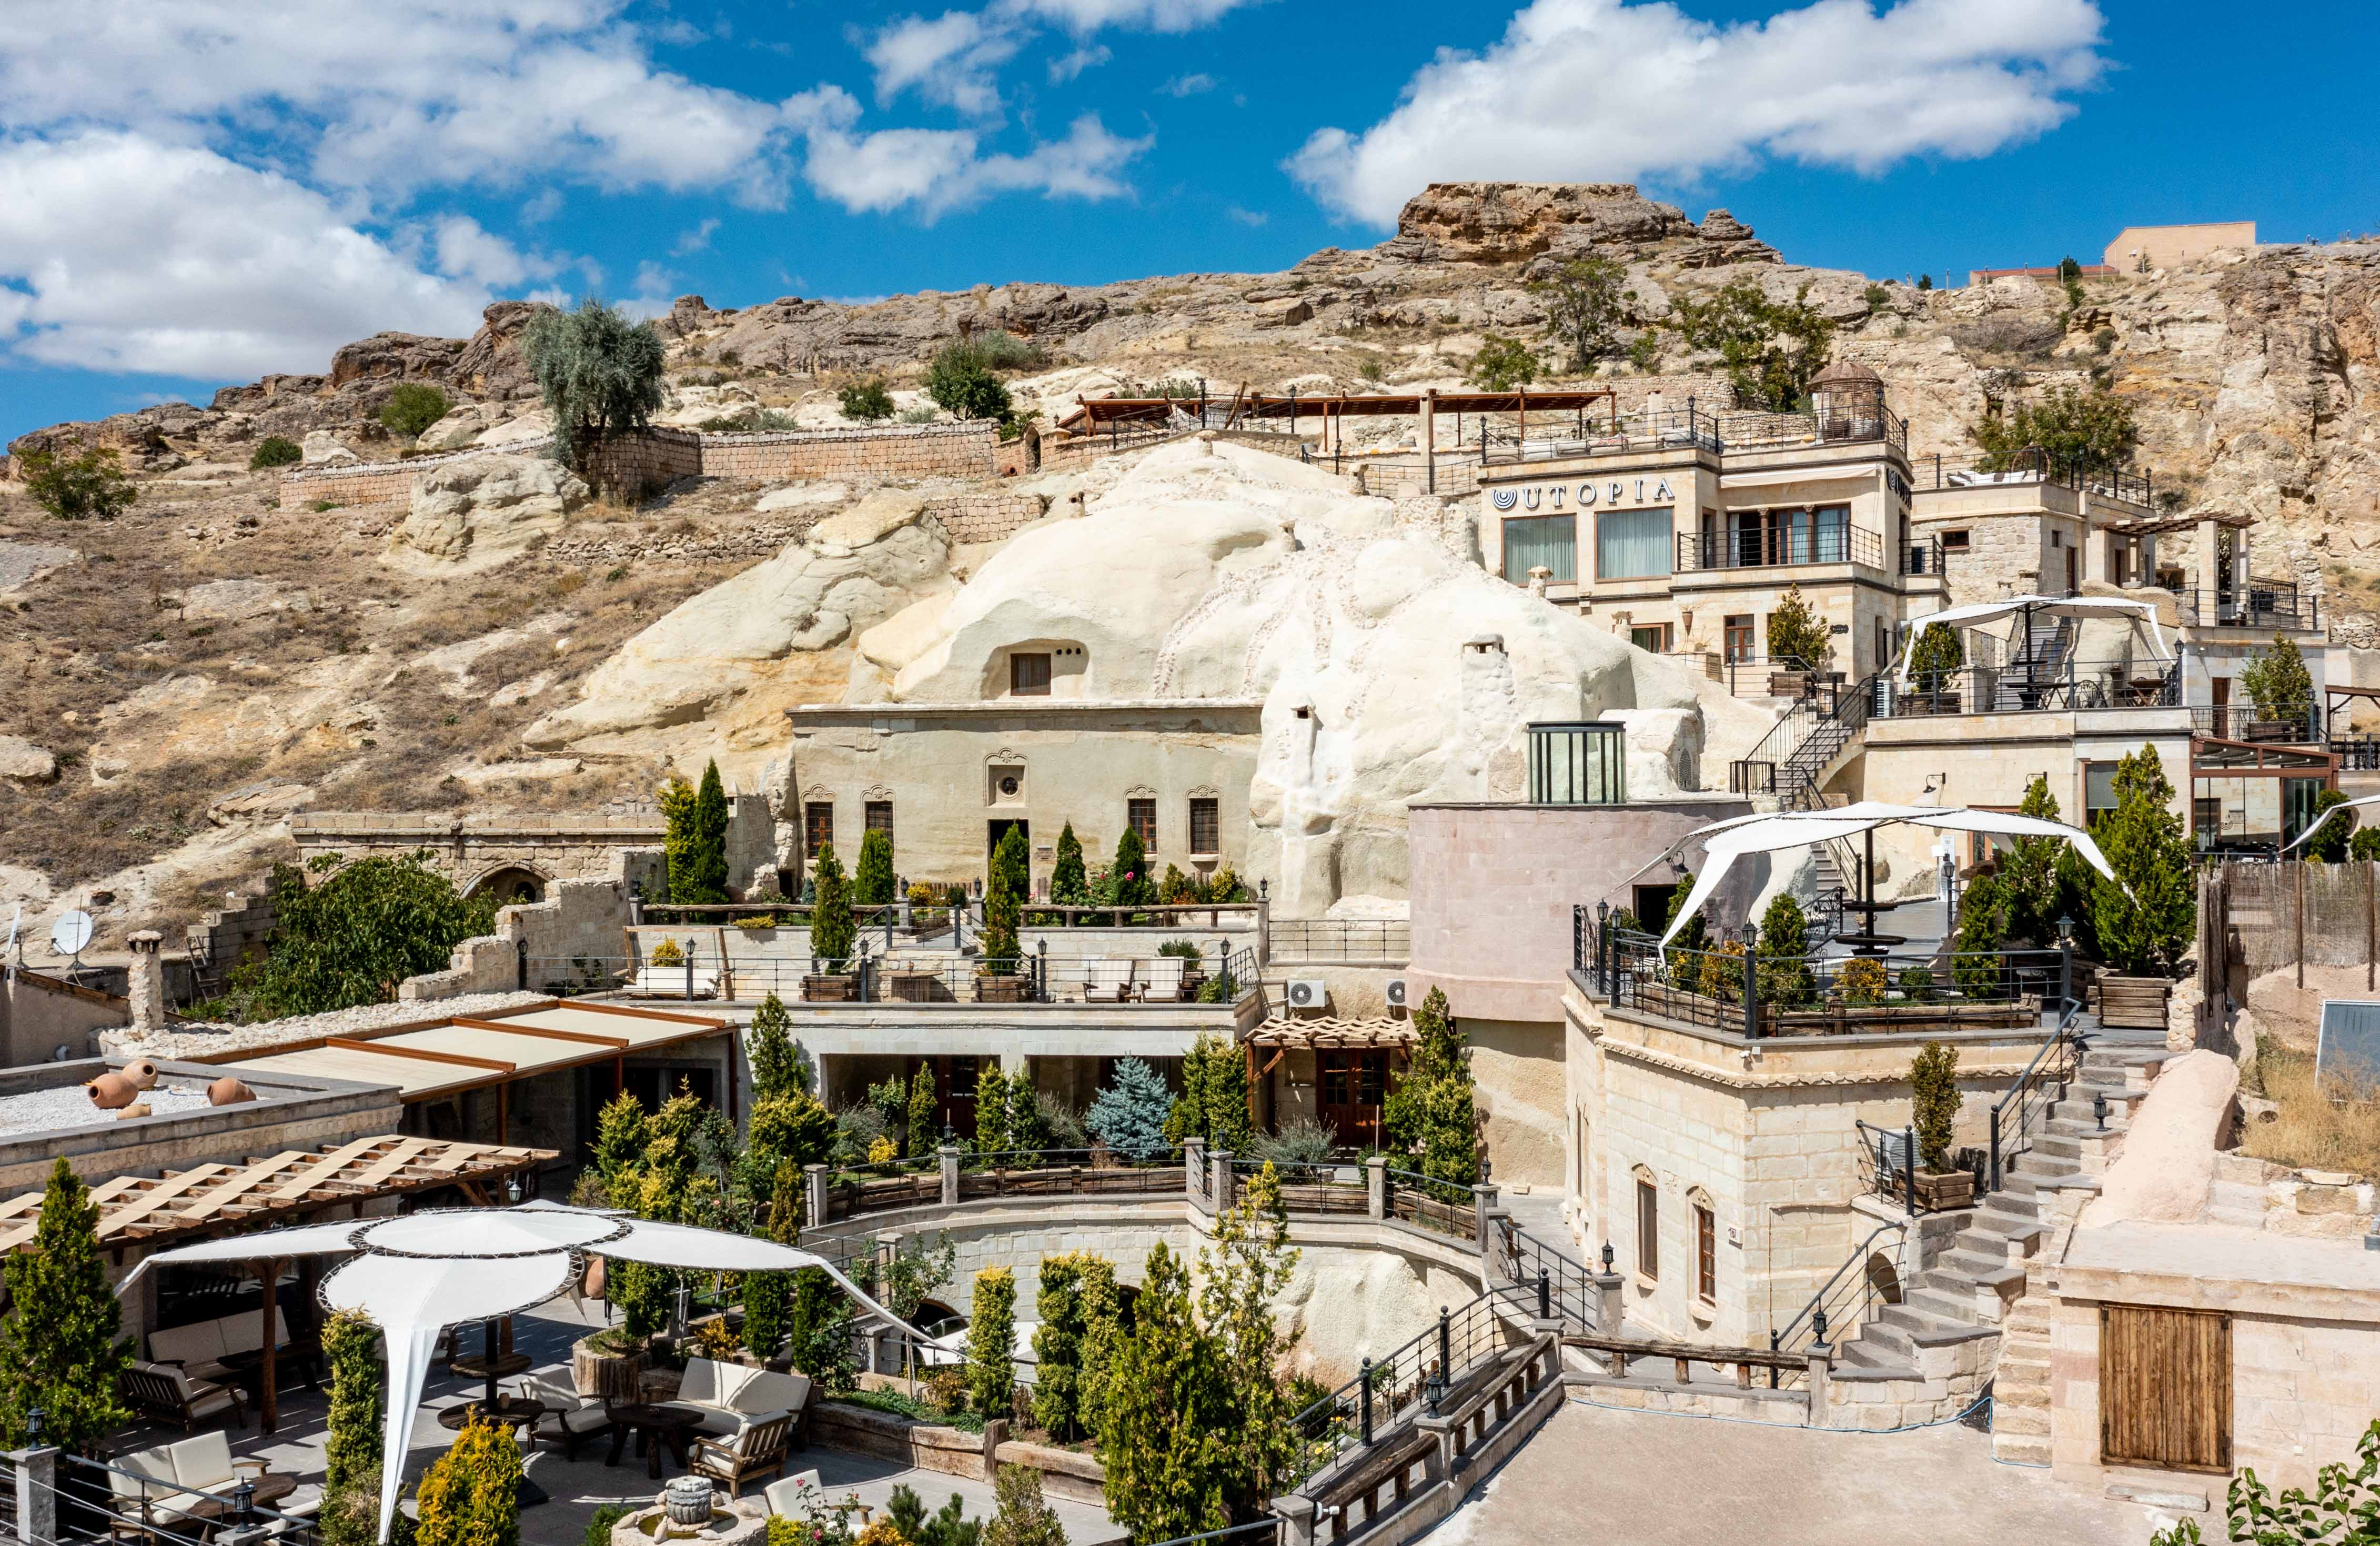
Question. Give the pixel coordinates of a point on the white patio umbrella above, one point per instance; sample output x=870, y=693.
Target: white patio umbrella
x=1725, y=842
x=414, y=1275
x=1980, y=612
x=2316, y=824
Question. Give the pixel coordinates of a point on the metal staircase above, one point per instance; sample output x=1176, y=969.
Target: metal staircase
x=2038, y=659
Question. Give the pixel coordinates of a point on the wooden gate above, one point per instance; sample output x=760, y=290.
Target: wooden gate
x=2164, y=1388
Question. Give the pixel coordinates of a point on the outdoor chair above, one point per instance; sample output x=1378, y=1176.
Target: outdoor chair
x=165, y=1393
x=785, y=1497
x=1161, y=979
x=135, y=1482
x=728, y=1397
x=1106, y=981
x=670, y=982
x=757, y=1449
x=574, y=1416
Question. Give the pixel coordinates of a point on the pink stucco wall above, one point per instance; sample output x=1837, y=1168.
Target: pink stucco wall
x=1493, y=886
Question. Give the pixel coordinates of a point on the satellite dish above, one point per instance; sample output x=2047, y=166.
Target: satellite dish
x=71, y=934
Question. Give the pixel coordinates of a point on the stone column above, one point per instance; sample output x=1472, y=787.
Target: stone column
x=1429, y=439
x=1297, y=1519
x=949, y=1158
x=146, y=984
x=1822, y=1364
x=2210, y=539
x=1611, y=1305
x=814, y=1192
x=37, y=1494
x=1193, y=1171
x=1376, y=1186
x=1219, y=1194
x=1483, y=1204
x=1494, y=1266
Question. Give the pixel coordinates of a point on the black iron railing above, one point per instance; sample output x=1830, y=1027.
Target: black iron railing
x=2056, y=684
x=2245, y=722
x=1388, y=940
x=1962, y=469
x=2356, y=753
x=1771, y=546
x=1315, y=1187
x=1841, y=1304
x=1564, y=1288
x=1393, y=1390
x=1794, y=755
x=2262, y=604
x=1922, y=556
x=1447, y=1207
x=2023, y=1115
x=1568, y=436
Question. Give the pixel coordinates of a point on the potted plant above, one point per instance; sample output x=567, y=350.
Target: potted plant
x=610, y=1363
x=1002, y=979
x=2143, y=926
x=1934, y=1108
x=834, y=933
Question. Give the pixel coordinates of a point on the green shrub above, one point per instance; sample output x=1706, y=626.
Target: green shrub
x=1129, y=1116
x=990, y=1107
x=275, y=451
x=1021, y=1518
x=600, y=1523
x=1785, y=941
x=2277, y=679
x=1026, y=1132
x=2144, y=924
x=59, y=1349
x=1772, y=350
x=777, y=1069
x=413, y=407
x=1982, y=936
x=1797, y=633
x=1006, y=351
x=1934, y=1100
x=960, y=382
x=872, y=882
x=1001, y=950
x=1058, y=1347
x=1934, y=657
x=1183, y=948
x=469, y=1496
x=2364, y=844
x=77, y=488
x=1068, y=888
x=991, y=1341
x=867, y=401
x=1135, y=887
x=833, y=928
x=1863, y=981
x=351, y=1452
x=1917, y=985
x=351, y=938
x=2331, y=836
x=1502, y=364
x=2093, y=429
x=599, y=372
x=924, y=1101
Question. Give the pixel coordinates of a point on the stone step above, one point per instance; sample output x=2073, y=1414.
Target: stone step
x=2020, y=1419
x=2020, y=1449
x=1942, y=1304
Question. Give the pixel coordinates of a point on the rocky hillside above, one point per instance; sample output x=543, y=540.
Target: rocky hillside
x=190, y=671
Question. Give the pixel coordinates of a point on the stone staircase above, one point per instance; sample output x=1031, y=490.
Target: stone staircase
x=1967, y=1321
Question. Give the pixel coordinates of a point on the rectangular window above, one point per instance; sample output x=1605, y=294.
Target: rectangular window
x=1705, y=1255
x=2099, y=789
x=879, y=818
x=1547, y=542
x=1954, y=542
x=1632, y=544
x=818, y=826
x=1648, y=1230
x=1205, y=826
x=1142, y=814
x=1028, y=675
x=1740, y=645
x=1655, y=638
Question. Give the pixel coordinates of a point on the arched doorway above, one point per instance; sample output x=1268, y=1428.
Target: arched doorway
x=512, y=884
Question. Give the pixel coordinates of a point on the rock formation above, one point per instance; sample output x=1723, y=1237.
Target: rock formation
x=480, y=511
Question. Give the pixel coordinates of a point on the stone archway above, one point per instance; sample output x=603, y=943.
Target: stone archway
x=510, y=884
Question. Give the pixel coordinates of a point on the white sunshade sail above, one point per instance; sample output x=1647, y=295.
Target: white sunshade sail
x=1980, y=612
x=415, y=1275
x=2316, y=824
x=1724, y=842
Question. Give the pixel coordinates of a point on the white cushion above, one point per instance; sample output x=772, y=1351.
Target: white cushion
x=768, y=1391
x=200, y=1343
x=713, y=1420
x=156, y=1465
x=168, y=1509
x=244, y=1333
x=752, y=1424
x=202, y=1462
x=784, y=1497
x=700, y=1386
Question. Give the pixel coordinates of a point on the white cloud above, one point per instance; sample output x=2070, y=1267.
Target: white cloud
x=542, y=207
x=1154, y=16
x=464, y=250
x=1248, y=217
x=1187, y=85
x=933, y=170
x=950, y=60
x=132, y=255
x=1606, y=90
x=694, y=240
x=1066, y=66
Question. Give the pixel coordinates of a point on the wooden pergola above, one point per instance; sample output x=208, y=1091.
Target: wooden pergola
x=296, y=1185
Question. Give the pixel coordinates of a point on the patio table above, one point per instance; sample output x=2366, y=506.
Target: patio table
x=654, y=1427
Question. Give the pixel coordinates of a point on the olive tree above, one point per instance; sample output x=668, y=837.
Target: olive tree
x=599, y=370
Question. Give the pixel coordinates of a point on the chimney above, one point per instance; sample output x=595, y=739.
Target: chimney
x=146, y=987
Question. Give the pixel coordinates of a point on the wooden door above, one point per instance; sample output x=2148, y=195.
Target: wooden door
x=1353, y=1086
x=2164, y=1388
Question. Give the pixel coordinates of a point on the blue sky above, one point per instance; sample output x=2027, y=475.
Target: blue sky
x=204, y=190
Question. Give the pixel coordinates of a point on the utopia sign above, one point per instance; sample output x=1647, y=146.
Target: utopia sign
x=1615, y=495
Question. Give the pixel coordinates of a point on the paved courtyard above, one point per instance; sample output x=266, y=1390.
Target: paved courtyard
x=579, y=1487
x=1653, y=1480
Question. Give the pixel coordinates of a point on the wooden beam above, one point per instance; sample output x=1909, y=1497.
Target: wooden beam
x=421, y=1054
x=586, y=1037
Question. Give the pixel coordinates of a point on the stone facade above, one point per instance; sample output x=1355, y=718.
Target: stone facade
x=498, y=848
x=575, y=936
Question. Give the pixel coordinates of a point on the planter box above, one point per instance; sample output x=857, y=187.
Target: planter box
x=1001, y=989
x=839, y=988
x=1941, y=1189
x=615, y=1376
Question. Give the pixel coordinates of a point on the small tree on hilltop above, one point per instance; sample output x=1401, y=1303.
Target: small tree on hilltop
x=352, y=938
x=776, y=1068
x=991, y=1341
x=599, y=372
x=2277, y=679
x=275, y=451
x=470, y=1495
x=1934, y=1101
x=833, y=928
x=1068, y=887
x=1772, y=350
x=79, y=487
x=867, y=401
x=1797, y=633
x=2144, y=923
x=872, y=884
x=413, y=407
x=1586, y=307
x=961, y=382
x=1129, y=1115
x=1501, y=364
x=59, y=1350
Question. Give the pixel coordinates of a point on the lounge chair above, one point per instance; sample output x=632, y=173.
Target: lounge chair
x=755, y=1450
x=1161, y=978
x=1106, y=981
x=729, y=1397
x=164, y=1392
x=574, y=1415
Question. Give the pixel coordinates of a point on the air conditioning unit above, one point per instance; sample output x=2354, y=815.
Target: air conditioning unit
x=1308, y=992
x=1396, y=993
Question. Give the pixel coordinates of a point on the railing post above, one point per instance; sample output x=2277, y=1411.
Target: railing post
x=2065, y=978
x=1610, y=1306
x=1218, y=1185
x=1909, y=1168
x=1821, y=1365
x=1483, y=1202
x=37, y=1494
x=1194, y=1170
x=1364, y=1382
x=949, y=1158
x=1297, y=1515
x=1751, y=985
x=1376, y=1186
x=1996, y=1146
x=814, y=1191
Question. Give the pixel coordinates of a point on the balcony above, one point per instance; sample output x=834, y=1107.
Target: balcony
x=2009, y=689
x=1693, y=428
x=1976, y=470
x=1779, y=546
x=2264, y=605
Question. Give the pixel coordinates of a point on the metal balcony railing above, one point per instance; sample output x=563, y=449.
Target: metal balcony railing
x=1779, y=547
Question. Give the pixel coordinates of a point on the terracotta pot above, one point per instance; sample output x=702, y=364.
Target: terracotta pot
x=228, y=1091
x=111, y=1091
x=141, y=1072
x=592, y=1283
x=137, y=1108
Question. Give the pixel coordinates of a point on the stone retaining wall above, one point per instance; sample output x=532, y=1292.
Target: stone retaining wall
x=637, y=463
x=991, y=517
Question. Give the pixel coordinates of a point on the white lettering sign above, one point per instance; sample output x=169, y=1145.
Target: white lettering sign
x=1614, y=494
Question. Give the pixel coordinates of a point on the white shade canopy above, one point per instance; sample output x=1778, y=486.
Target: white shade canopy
x=1980, y=612
x=1724, y=842
x=414, y=1275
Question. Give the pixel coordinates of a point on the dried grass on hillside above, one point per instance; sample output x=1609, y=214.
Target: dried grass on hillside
x=2336, y=1127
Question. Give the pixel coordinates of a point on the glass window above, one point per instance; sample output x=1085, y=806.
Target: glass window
x=1142, y=814
x=1655, y=638
x=1028, y=675
x=1648, y=1229
x=1954, y=542
x=879, y=818
x=1740, y=645
x=1205, y=826
x=1548, y=540
x=1706, y=1254
x=1630, y=544
x=1833, y=524
x=2098, y=787
x=818, y=826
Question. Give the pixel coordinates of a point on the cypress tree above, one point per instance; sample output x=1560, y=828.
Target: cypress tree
x=991, y=1108
x=1068, y=886
x=992, y=1343
x=1002, y=907
x=833, y=929
x=59, y=1350
x=2029, y=875
x=1058, y=1347
x=1440, y=1061
x=1934, y=1101
x=1241, y=1274
x=1101, y=1311
x=2148, y=930
x=707, y=844
x=1165, y=1442
x=768, y=1296
x=351, y=1452
x=1027, y=1129
x=1975, y=959
x=923, y=1136
x=1785, y=940
x=1133, y=886
x=776, y=1070
x=872, y=882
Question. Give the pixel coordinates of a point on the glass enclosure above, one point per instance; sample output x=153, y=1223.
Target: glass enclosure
x=1578, y=764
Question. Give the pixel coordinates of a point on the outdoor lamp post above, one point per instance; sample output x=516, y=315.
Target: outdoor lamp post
x=2099, y=1108
x=32, y=1428
x=1818, y=1328
x=1606, y=1259
x=513, y=1191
